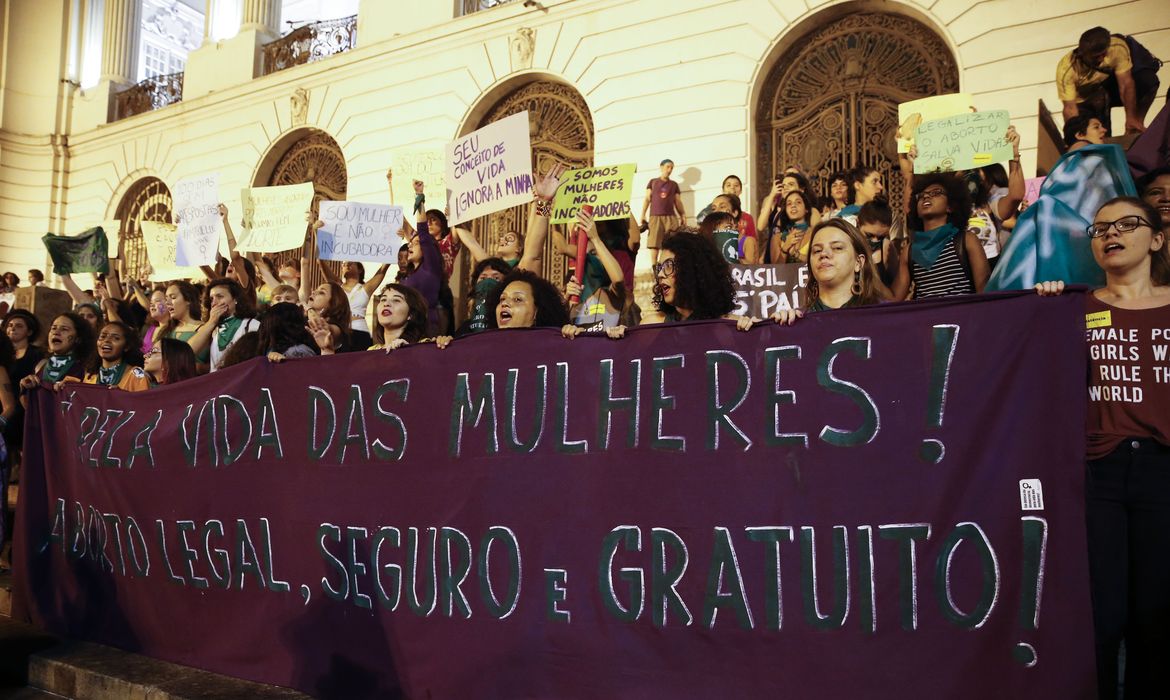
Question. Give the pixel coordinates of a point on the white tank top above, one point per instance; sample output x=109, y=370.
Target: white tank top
x=358, y=301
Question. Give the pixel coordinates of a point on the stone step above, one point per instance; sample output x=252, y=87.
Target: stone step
x=27, y=693
x=6, y=593
x=94, y=672
x=18, y=642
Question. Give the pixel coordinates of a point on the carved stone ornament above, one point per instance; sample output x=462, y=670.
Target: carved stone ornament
x=522, y=45
x=299, y=106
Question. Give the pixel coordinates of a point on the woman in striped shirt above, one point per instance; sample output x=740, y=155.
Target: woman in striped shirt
x=944, y=258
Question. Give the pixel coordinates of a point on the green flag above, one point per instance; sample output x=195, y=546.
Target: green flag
x=84, y=253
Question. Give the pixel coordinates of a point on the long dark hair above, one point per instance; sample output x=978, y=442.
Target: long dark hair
x=416, y=321
x=85, y=341
x=282, y=327
x=245, y=305
x=131, y=351
x=550, y=306
x=439, y=216
x=178, y=360
x=702, y=278
x=843, y=176
x=958, y=199
x=785, y=222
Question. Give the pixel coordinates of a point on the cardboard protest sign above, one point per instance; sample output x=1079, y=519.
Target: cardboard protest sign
x=425, y=165
x=197, y=215
x=436, y=523
x=911, y=114
x=762, y=290
x=489, y=169
x=162, y=241
x=963, y=142
x=360, y=232
x=274, y=217
x=1032, y=188
x=82, y=253
x=608, y=188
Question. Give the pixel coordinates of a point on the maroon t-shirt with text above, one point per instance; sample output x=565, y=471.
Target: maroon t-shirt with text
x=1129, y=381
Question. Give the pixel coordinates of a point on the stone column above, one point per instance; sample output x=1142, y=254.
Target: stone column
x=120, y=41
x=262, y=16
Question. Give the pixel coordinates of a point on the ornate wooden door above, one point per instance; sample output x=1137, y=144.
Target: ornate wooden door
x=318, y=159
x=561, y=129
x=148, y=199
x=831, y=102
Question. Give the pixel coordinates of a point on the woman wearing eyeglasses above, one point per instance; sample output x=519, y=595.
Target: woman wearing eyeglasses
x=943, y=258
x=693, y=281
x=1127, y=482
x=170, y=361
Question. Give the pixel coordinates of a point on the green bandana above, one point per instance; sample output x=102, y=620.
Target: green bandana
x=227, y=331
x=57, y=367
x=110, y=376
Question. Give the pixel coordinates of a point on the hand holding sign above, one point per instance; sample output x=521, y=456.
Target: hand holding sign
x=489, y=169
x=196, y=212
x=607, y=189
x=963, y=142
x=271, y=224
x=356, y=231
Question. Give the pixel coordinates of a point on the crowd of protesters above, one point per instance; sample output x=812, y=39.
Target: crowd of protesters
x=141, y=334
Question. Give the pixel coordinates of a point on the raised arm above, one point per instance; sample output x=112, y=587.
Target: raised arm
x=75, y=292
x=1017, y=188
x=767, y=206
x=266, y=272
x=613, y=269
x=465, y=237
x=238, y=266
x=544, y=190
x=374, y=282
x=390, y=184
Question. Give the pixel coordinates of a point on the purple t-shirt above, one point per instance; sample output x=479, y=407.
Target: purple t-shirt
x=662, y=194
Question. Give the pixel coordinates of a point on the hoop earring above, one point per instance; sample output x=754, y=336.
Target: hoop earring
x=856, y=288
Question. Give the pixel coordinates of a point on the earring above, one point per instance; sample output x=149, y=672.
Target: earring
x=856, y=288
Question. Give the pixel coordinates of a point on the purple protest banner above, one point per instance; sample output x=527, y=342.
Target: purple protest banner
x=875, y=502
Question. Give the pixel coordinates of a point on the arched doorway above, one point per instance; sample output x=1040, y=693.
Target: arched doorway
x=313, y=157
x=561, y=129
x=148, y=199
x=831, y=102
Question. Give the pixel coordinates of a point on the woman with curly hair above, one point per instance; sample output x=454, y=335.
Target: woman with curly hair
x=283, y=333
x=840, y=193
x=70, y=343
x=118, y=362
x=524, y=299
x=943, y=258
x=692, y=280
x=170, y=361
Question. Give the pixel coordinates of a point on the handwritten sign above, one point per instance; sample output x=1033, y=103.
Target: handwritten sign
x=411, y=165
x=162, y=242
x=83, y=253
x=489, y=169
x=1032, y=189
x=963, y=142
x=762, y=290
x=356, y=231
x=274, y=217
x=197, y=214
x=912, y=114
x=607, y=188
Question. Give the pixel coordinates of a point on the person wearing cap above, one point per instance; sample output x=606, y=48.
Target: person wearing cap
x=663, y=200
x=1100, y=74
